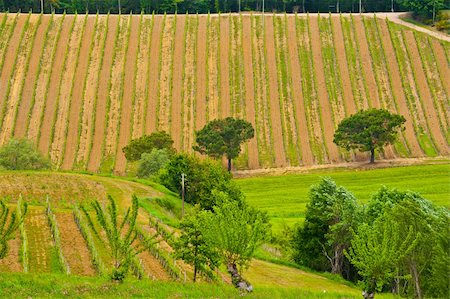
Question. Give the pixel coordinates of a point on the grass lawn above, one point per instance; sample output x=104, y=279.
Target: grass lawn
x=285, y=197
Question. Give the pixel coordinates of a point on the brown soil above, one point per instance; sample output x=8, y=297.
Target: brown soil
x=92, y=82
x=51, y=95
x=40, y=86
x=11, y=263
x=224, y=45
x=77, y=96
x=74, y=246
x=102, y=94
x=127, y=101
x=398, y=90
x=425, y=95
x=325, y=106
x=343, y=65
x=10, y=57
x=153, y=80
x=177, y=100
x=152, y=267
x=40, y=242
x=366, y=61
x=442, y=64
x=280, y=155
x=29, y=84
x=202, y=39
x=17, y=79
x=213, y=69
x=253, y=161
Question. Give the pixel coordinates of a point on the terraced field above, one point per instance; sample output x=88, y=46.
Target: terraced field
x=82, y=86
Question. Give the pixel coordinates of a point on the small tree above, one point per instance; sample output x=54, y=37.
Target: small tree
x=151, y=163
x=21, y=154
x=145, y=144
x=368, y=130
x=120, y=234
x=193, y=248
x=235, y=230
x=9, y=222
x=427, y=8
x=223, y=137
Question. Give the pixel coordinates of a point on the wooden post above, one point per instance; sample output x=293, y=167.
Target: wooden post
x=182, y=195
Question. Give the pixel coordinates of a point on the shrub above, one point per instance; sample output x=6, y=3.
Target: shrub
x=21, y=154
x=145, y=144
x=151, y=163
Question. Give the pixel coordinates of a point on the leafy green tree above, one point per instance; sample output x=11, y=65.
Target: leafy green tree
x=120, y=235
x=235, y=230
x=192, y=248
x=202, y=177
x=21, y=154
x=145, y=144
x=422, y=7
x=368, y=130
x=151, y=163
x=223, y=137
x=9, y=222
x=330, y=216
x=376, y=251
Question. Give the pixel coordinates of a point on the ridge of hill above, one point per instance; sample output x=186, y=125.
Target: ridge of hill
x=81, y=86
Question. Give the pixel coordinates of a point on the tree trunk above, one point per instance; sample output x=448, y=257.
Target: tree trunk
x=195, y=273
x=237, y=280
x=368, y=295
x=415, y=276
x=372, y=155
x=336, y=265
x=229, y=164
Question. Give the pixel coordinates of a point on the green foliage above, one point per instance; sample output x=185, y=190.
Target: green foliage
x=9, y=223
x=422, y=7
x=192, y=248
x=376, y=251
x=330, y=216
x=223, y=137
x=145, y=144
x=20, y=154
x=151, y=163
x=202, y=178
x=368, y=130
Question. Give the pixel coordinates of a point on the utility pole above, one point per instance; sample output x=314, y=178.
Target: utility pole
x=392, y=7
x=42, y=6
x=360, y=7
x=263, y=16
x=182, y=195
x=337, y=6
x=120, y=10
x=434, y=10
x=239, y=5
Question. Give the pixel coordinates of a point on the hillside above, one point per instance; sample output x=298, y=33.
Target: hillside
x=82, y=86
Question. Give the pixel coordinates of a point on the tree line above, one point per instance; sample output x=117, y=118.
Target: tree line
x=200, y=6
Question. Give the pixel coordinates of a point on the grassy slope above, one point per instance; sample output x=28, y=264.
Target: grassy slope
x=285, y=197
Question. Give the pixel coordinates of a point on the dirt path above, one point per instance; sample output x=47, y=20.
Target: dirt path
x=224, y=101
x=51, y=94
x=31, y=77
x=127, y=101
x=92, y=82
x=297, y=93
x=95, y=154
x=367, y=63
x=153, y=77
x=202, y=39
x=397, y=90
x=325, y=106
x=71, y=140
x=177, y=91
x=425, y=95
x=253, y=159
x=74, y=246
x=11, y=263
x=17, y=80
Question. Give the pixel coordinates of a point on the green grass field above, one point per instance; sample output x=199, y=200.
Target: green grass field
x=285, y=197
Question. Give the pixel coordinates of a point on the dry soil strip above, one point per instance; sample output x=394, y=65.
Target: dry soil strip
x=73, y=246
x=253, y=159
x=150, y=115
x=127, y=102
x=397, y=90
x=102, y=94
x=11, y=263
x=27, y=93
x=325, y=106
x=280, y=154
x=10, y=58
x=202, y=39
x=366, y=62
x=297, y=92
x=153, y=267
x=53, y=87
x=76, y=101
x=213, y=68
x=343, y=65
x=442, y=63
x=177, y=87
x=425, y=95
x=224, y=67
